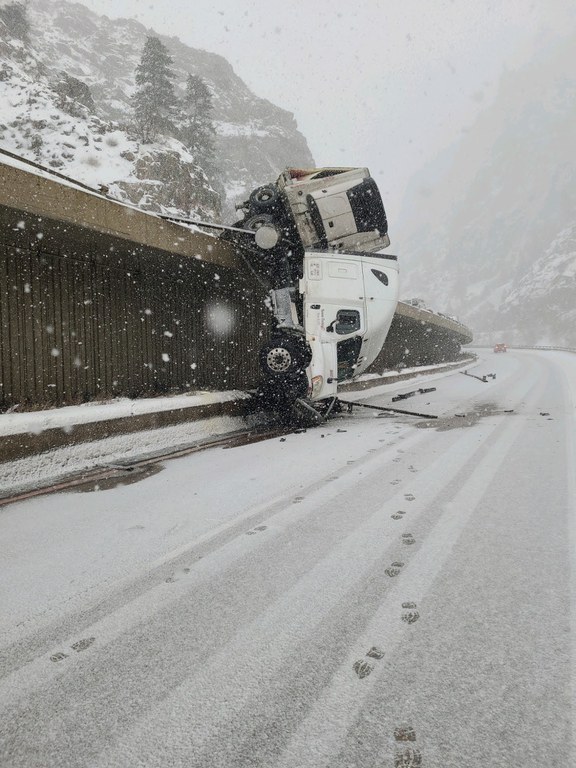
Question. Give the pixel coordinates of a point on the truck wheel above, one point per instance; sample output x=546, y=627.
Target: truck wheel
x=284, y=355
x=255, y=222
x=264, y=198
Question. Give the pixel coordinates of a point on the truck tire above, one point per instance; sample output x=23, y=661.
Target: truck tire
x=284, y=356
x=264, y=198
x=255, y=222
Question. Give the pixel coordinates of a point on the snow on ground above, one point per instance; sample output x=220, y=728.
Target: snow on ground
x=196, y=494
x=224, y=610
x=27, y=473
x=67, y=417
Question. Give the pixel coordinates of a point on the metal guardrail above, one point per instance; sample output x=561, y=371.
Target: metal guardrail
x=514, y=346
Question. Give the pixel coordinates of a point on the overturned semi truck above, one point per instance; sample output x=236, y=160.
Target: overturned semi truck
x=316, y=237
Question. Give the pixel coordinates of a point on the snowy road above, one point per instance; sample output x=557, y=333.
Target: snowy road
x=379, y=592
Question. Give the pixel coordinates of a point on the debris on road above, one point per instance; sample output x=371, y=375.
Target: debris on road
x=351, y=405
x=406, y=395
x=480, y=378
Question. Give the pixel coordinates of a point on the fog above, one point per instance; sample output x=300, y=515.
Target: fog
x=376, y=83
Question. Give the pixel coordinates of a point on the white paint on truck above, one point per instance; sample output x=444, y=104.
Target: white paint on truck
x=349, y=300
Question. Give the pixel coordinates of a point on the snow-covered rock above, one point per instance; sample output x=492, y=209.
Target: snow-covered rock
x=65, y=103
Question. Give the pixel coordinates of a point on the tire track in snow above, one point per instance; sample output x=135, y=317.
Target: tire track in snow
x=208, y=701
x=318, y=740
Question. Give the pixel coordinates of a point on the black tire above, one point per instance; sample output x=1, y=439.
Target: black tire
x=255, y=222
x=264, y=198
x=284, y=356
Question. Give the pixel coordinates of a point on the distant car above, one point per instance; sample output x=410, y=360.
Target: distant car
x=500, y=348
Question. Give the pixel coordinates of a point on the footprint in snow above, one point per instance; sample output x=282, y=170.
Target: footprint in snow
x=81, y=645
x=408, y=758
x=256, y=530
x=405, y=733
x=394, y=569
x=362, y=668
x=410, y=615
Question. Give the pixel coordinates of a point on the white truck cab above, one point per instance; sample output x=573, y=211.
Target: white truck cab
x=318, y=236
x=349, y=300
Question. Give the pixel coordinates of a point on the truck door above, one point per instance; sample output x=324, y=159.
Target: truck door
x=333, y=288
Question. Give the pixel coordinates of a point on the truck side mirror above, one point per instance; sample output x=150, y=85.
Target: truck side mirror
x=330, y=328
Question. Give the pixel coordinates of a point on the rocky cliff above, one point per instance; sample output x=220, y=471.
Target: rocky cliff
x=65, y=102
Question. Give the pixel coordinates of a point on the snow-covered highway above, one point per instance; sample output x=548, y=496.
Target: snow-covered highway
x=380, y=591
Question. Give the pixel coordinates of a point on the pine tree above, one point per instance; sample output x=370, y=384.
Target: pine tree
x=155, y=100
x=198, y=132
x=14, y=16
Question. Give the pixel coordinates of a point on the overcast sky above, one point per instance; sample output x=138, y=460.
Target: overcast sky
x=381, y=83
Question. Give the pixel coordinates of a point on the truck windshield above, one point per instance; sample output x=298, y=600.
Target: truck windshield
x=347, y=355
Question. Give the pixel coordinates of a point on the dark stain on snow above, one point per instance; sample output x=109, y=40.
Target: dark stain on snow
x=459, y=420
x=119, y=477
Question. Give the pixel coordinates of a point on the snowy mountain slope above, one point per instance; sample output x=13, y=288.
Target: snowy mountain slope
x=488, y=212
x=545, y=298
x=95, y=143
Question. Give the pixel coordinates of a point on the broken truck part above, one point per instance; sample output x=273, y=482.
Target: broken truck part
x=314, y=236
x=484, y=378
x=352, y=404
x=406, y=395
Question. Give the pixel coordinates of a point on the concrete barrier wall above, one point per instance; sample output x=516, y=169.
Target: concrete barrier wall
x=419, y=337
x=85, y=315
x=100, y=300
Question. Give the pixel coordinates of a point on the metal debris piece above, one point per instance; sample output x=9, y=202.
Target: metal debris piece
x=406, y=395
x=58, y=656
x=410, y=617
x=351, y=404
x=375, y=653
